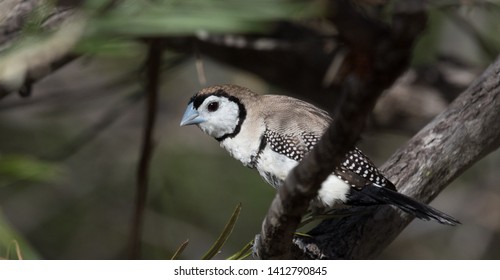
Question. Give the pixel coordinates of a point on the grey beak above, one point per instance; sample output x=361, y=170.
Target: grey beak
x=191, y=116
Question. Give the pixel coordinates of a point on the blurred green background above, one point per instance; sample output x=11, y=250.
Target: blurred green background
x=69, y=152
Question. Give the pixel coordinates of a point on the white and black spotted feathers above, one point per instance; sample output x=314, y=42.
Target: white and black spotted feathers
x=272, y=133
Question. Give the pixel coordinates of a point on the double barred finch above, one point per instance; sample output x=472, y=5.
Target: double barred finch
x=272, y=133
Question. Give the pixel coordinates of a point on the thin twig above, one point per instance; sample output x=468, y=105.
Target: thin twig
x=200, y=68
x=153, y=63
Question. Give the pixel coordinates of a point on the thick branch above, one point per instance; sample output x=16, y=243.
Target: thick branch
x=468, y=130
x=375, y=69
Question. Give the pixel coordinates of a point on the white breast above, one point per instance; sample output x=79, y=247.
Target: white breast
x=244, y=146
x=332, y=191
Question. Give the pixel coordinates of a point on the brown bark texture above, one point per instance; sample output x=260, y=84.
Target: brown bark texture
x=464, y=133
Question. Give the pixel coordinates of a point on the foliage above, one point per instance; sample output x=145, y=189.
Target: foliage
x=174, y=17
x=27, y=168
x=12, y=245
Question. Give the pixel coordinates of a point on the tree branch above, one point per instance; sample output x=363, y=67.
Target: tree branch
x=153, y=64
x=467, y=131
x=379, y=56
x=28, y=64
x=13, y=15
x=24, y=65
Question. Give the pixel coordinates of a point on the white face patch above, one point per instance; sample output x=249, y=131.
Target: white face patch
x=221, y=115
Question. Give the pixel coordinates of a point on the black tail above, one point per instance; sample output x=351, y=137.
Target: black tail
x=381, y=195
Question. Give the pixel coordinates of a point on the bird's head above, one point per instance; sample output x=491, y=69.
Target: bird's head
x=217, y=110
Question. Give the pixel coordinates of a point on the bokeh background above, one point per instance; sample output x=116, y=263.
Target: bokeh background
x=69, y=152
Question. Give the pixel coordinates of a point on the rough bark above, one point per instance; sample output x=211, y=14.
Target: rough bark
x=463, y=134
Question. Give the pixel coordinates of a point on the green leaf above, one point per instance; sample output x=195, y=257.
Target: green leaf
x=302, y=234
x=243, y=253
x=20, y=167
x=170, y=17
x=216, y=247
x=12, y=244
x=179, y=250
x=112, y=47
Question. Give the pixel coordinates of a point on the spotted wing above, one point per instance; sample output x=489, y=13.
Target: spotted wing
x=292, y=146
x=357, y=170
x=299, y=128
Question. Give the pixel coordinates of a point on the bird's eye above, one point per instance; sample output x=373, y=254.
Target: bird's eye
x=213, y=106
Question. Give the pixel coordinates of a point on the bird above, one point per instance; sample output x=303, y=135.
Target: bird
x=273, y=133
